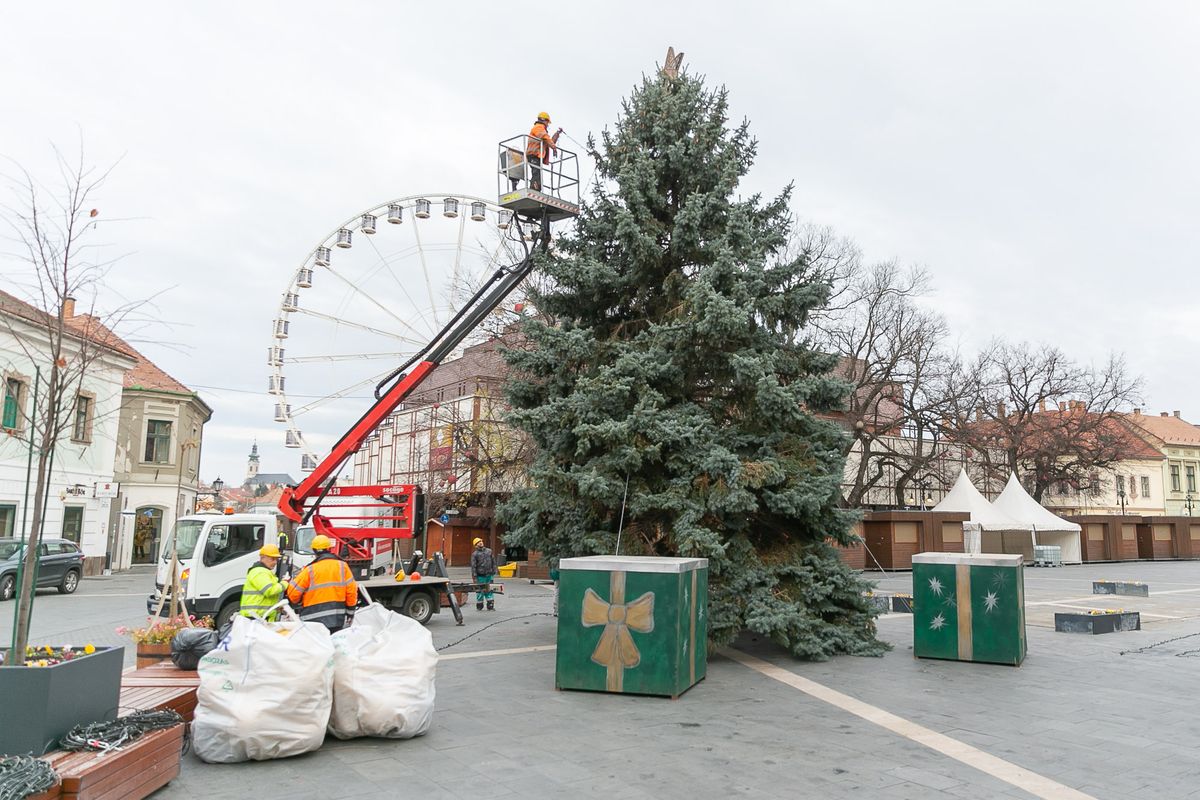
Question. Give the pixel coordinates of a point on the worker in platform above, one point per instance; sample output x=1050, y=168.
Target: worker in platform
x=325, y=589
x=538, y=148
x=483, y=569
x=262, y=588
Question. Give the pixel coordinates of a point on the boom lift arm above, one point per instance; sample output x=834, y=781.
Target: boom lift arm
x=301, y=503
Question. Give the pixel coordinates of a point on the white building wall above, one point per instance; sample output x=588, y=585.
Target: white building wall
x=77, y=467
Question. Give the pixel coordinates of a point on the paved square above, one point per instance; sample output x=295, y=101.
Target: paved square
x=1077, y=714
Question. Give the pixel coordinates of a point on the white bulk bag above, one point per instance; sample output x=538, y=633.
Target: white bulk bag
x=383, y=673
x=265, y=691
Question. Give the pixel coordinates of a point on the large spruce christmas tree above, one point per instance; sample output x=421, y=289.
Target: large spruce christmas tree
x=672, y=355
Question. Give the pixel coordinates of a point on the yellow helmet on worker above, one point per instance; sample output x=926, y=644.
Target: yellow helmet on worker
x=321, y=542
x=543, y=116
x=268, y=551
x=476, y=542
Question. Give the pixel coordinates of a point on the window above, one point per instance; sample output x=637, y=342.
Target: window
x=1120, y=484
x=1145, y=487
x=1174, y=477
x=1191, y=478
x=72, y=523
x=82, y=431
x=227, y=542
x=14, y=401
x=158, y=442
x=8, y=519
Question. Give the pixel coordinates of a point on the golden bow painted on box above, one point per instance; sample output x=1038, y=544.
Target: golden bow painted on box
x=616, y=651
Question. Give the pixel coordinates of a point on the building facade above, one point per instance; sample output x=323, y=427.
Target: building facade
x=1178, y=443
x=160, y=439
x=79, y=503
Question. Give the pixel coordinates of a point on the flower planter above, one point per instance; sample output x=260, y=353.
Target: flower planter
x=150, y=654
x=1131, y=588
x=902, y=603
x=1108, y=622
x=51, y=700
x=880, y=603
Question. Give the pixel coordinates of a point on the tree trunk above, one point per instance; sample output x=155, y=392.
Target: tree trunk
x=25, y=593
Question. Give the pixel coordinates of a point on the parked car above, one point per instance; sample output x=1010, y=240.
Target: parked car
x=60, y=565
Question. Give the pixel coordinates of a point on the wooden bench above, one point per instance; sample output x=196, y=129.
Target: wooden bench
x=135, y=771
x=160, y=686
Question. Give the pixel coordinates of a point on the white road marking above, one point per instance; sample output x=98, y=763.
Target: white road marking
x=511, y=651
x=1026, y=780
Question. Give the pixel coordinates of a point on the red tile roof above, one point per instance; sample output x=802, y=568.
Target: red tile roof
x=1167, y=428
x=84, y=326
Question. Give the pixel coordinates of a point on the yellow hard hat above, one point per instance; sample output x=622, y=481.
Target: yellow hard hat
x=321, y=542
x=544, y=117
x=476, y=541
x=269, y=550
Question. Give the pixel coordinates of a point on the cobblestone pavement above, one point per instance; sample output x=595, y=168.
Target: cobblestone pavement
x=1079, y=712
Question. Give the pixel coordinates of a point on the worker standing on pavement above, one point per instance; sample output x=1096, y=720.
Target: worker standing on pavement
x=262, y=589
x=325, y=589
x=483, y=569
x=538, y=148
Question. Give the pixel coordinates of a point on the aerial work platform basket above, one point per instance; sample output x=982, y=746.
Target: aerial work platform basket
x=531, y=187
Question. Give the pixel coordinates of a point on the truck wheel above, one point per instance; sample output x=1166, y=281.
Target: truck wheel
x=225, y=615
x=419, y=606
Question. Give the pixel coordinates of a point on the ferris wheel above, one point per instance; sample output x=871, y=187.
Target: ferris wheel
x=370, y=295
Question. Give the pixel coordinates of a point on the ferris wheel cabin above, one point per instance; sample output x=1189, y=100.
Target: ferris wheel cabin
x=537, y=189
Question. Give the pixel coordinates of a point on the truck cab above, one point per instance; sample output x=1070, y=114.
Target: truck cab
x=215, y=552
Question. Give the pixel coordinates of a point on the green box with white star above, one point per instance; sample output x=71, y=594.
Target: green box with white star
x=632, y=625
x=969, y=607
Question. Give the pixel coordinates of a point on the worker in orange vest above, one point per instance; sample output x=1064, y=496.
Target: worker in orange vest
x=325, y=589
x=538, y=148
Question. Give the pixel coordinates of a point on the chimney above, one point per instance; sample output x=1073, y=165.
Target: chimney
x=1163, y=414
x=68, y=307
x=1137, y=412
x=1176, y=413
x=1062, y=406
x=980, y=414
x=1042, y=405
x=1000, y=411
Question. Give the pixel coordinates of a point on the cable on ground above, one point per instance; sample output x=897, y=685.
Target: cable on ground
x=111, y=734
x=21, y=776
x=492, y=625
x=1164, y=641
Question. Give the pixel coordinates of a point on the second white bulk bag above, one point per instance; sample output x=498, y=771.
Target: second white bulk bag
x=383, y=676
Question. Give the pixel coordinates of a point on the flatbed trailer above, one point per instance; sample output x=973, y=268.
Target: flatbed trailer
x=419, y=599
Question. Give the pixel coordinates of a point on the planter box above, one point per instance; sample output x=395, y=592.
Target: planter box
x=1098, y=623
x=135, y=771
x=969, y=607
x=49, y=701
x=632, y=625
x=1131, y=588
x=902, y=604
x=150, y=654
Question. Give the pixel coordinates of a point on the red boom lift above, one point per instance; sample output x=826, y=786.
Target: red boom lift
x=393, y=507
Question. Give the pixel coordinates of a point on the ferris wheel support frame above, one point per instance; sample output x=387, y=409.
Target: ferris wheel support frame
x=302, y=502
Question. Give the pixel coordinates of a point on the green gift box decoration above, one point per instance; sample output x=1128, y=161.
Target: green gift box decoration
x=969, y=607
x=632, y=625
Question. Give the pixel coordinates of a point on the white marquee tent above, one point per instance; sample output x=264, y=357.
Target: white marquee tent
x=1045, y=527
x=990, y=529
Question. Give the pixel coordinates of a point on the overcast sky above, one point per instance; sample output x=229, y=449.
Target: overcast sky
x=1039, y=159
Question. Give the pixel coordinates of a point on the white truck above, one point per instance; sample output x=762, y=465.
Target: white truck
x=216, y=550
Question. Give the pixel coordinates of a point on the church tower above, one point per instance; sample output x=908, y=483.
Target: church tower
x=252, y=464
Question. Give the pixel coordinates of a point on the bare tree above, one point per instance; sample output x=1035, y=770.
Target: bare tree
x=48, y=234
x=1046, y=417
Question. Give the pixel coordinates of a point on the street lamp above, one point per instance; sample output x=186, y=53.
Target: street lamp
x=1187, y=503
x=1121, y=498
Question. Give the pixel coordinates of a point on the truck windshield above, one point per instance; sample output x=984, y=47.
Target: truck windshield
x=185, y=535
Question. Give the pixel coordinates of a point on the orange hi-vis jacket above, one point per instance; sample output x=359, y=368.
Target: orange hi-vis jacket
x=540, y=142
x=325, y=590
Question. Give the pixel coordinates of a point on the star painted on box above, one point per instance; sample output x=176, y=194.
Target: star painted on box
x=989, y=601
x=935, y=586
x=937, y=623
